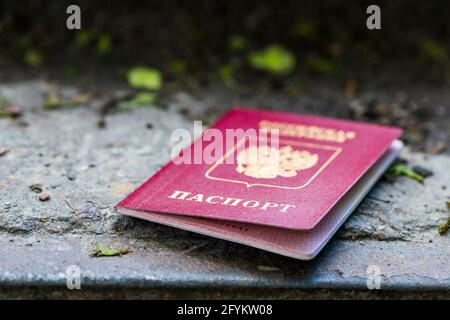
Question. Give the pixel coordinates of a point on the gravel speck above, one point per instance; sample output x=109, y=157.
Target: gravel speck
x=44, y=197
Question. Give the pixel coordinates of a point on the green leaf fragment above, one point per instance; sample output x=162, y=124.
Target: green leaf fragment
x=104, y=45
x=274, y=59
x=25, y=41
x=139, y=100
x=237, y=43
x=33, y=58
x=3, y=103
x=177, y=66
x=71, y=72
x=226, y=74
x=433, y=50
x=7, y=110
x=443, y=228
x=323, y=65
x=402, y=170
x=51, y=100
x=144, y=78
x=102, y=250
x=303, y=30
x=83, y=38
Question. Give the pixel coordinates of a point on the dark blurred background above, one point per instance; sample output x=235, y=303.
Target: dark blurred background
x=327, y=37
x=397, y=75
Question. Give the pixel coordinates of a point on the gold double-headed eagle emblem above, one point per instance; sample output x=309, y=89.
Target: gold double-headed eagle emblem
x=266, y=162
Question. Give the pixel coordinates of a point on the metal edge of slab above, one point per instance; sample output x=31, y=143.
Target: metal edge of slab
x=343, y=265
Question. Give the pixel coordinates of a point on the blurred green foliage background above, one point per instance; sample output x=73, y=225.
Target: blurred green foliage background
x=222, y=40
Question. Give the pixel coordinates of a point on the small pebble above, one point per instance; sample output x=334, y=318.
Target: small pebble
x=22, y=123
x=37, y=188
x=71, y=176
x=101, y=123
x=44, y=197
x=424, y=172
x=14, y=111
x=3, y=152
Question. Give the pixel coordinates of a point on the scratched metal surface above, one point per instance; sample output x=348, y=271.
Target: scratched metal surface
x=86, y=170
x=164, y=263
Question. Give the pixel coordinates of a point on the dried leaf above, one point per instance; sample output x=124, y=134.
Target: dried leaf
x=52, y=100
x=79, y=99
x=102, y=250
x=350, y=88
x=267, y=268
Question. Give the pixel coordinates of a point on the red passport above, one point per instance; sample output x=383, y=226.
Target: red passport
x=280, y=182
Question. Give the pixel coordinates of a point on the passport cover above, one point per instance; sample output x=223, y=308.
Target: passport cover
x=323, y=159
x=298, y=244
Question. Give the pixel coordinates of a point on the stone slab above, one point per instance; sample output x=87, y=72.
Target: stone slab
x=87, y=170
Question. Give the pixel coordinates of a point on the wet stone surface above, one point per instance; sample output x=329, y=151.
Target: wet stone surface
x=62, y=175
